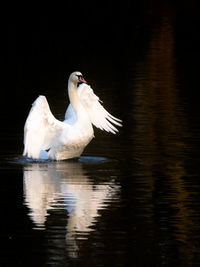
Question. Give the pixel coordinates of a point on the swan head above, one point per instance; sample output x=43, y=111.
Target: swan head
x=76, y=77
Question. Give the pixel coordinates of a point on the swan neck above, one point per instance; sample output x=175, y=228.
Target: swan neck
x=73, y=96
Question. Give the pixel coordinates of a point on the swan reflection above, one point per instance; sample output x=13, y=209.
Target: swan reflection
x=55, y=186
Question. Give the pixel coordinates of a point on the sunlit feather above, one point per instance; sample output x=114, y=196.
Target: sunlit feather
x=48, y=138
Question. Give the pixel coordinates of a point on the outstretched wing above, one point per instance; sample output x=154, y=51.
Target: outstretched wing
x=99, y=117
x=41, y=128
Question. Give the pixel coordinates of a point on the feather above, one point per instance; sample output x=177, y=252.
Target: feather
x=41, y=128
x=98, y=115
x=48, y=138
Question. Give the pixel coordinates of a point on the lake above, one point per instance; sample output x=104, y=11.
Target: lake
x=131, y=199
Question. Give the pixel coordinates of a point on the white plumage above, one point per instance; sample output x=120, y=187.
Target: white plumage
x=45, y=137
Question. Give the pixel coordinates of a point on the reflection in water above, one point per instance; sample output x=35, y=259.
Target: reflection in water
x=64, y=201
x=161, y=146
x=83, y=220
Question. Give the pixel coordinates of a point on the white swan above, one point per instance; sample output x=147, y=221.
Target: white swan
x=45, y=137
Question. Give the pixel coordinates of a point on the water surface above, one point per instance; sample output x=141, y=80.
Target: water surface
x=132, y=199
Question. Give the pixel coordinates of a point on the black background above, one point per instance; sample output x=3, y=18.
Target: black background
x=42, y=44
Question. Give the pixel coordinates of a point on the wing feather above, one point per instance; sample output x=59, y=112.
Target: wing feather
x=99, y=116
x=41, y=128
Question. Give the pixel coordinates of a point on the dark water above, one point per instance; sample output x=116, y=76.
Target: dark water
x=131, y=199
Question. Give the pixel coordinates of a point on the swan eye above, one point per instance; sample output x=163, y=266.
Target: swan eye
x=80, y=78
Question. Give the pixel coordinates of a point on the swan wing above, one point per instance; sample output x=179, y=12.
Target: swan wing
x=41, y=128
x=99, y=116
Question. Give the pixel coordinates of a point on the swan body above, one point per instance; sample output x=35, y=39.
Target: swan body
x=45, y=137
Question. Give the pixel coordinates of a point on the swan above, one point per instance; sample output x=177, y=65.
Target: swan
x=45, y=137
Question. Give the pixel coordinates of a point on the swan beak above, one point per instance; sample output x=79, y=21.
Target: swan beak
x=82, y=80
